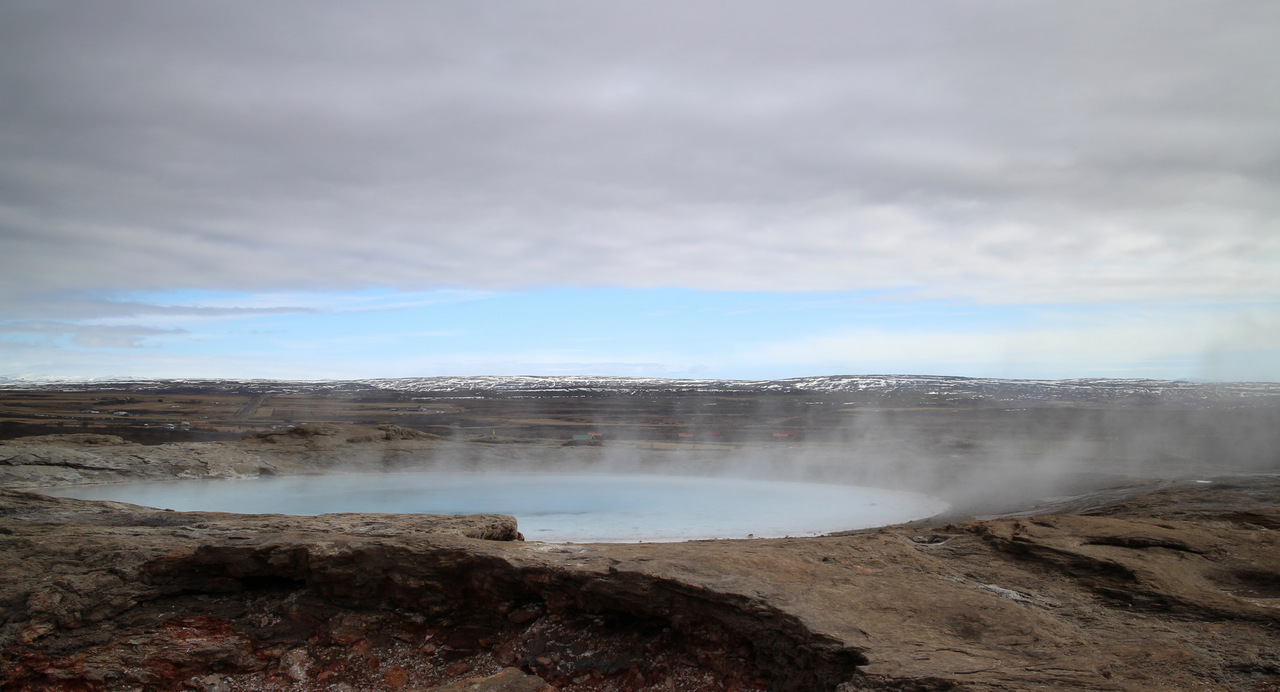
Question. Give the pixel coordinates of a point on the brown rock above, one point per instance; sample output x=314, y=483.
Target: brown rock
x=1174, y=588
x=505, y=654
x=395, y=432
x=396, y=677
x=527, y=613
x=508, y=680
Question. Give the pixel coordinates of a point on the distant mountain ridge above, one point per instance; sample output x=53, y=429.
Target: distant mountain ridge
x=551, y=385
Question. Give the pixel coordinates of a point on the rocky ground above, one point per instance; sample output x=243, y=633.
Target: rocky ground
x=1155, y=586
x=90, y=458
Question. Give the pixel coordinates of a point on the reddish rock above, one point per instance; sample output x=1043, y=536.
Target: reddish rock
x=457, y=669
x=508, y=680
x=396, y=677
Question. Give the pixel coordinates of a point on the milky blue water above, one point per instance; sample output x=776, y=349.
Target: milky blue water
x=553, y=507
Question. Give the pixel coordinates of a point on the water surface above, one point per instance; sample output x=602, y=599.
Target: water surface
x=552, y=507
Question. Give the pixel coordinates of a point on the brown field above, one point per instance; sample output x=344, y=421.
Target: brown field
x=1118, y=437
x=1084, y=549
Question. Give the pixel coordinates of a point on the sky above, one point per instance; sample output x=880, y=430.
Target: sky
x=708, y=189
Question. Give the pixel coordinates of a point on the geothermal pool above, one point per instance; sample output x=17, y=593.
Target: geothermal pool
x=552, y=507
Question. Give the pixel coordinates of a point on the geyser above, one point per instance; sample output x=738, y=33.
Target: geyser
x=553, y=507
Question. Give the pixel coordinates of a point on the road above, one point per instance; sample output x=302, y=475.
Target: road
x=250, y=407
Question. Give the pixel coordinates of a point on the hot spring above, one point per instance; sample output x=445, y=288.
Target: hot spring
x=552, y=507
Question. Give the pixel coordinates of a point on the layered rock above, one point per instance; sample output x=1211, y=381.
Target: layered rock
x=53, y=460
x=1173, y=589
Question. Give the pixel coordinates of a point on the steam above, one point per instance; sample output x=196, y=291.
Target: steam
x=980, y=459
x=981, y=456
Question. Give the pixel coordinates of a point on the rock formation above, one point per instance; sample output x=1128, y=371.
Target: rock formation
x=1141, y=587
x=1176, y=588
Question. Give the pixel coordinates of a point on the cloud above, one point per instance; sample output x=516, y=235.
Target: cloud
x=29, y=304
x=52, y=333
x=1000, y=152
x=1199, y=341
x=197, y=174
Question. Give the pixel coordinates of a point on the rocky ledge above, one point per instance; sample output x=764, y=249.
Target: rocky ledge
x=87, y=458
x=1176, y=588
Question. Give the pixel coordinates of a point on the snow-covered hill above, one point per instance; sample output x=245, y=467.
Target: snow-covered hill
x=943, y=387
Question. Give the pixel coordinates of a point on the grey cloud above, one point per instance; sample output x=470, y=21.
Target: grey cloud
x=82, y=335
x=994, y=150
x=29, y=305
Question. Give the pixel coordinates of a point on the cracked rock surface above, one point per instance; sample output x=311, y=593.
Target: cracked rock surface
x=1175, y=588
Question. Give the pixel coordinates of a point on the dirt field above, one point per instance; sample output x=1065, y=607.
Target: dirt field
x=1085, y=550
